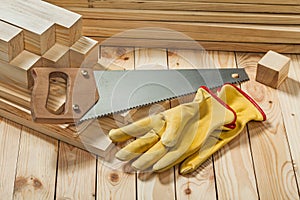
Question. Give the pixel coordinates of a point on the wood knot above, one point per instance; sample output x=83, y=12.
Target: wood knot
x=114, y=177
x=19, y=183
x=188, y=191
x=126, y=58
x=270, y=102
x=37, y=184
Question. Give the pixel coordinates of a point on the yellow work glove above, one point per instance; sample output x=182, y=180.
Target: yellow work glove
x=246, y=110
x=166, y=139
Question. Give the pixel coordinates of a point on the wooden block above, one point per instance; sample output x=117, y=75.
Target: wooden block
x=17, y=72
x=84, y=53
x=39, y=34
x=57, y=56
x=11, y=41
x=272, y=69
x=68, y=24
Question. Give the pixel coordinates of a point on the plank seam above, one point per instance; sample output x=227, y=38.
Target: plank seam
x=56, y=173
x=17, y=161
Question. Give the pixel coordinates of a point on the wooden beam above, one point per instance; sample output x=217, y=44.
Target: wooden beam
x=199, y=44
x=186, y=6
x=279, y=2
x=11, y=41
x=68, y=24
x=73, y=3
x=39, y=34
x=17, y=72
x=187, y=16
x=84, y=53
x=57, y=56
x=198, y=31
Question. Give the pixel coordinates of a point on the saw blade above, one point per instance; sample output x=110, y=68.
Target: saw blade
x=124, y=90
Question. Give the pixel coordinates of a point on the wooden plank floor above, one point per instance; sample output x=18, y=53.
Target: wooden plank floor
x=261, y=163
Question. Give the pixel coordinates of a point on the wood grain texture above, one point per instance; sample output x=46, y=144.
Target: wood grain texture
x=224, y=32
x=11, y=41
x=200, y=184
x=68, y=24
x=289, y=2
x=18, y=71
x=270, y=149
x=288, y=94
x=187, y=16
x=84, y=53
x=76, y=173
x=73, y=3
x=187, y=6
x=57, y=56
x=114, y=177
x=272, y=69
x=190, y=44
x=9, y=148
x=39, y=34
x=36, y=168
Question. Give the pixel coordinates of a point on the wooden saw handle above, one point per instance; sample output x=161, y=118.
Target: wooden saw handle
x=81, y=94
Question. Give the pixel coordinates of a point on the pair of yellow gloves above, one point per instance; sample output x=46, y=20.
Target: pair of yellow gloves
x=189, y=133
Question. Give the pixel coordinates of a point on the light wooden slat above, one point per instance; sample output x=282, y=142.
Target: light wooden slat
x=208, y=45
x=57, y=56
x=270, y=148
x=11, y=41
x=36, y=168
x=84, y=53
x=39, y=34
x=9, y=147
x=289, y=2
x=76, y=173
x=73, y=3
x=154, y=186
x=201, y=184
x=233, y=163
x=17, y=72
x=113, y=178
x=188, y=16
x=288, y=94
x=190, y=6
x=197, y=31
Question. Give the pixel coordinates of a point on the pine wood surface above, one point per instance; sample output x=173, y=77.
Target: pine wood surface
x=260, y=163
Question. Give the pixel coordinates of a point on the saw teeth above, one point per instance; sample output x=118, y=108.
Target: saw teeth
x=146, y=104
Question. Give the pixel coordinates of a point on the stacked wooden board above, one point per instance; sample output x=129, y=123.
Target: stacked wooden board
x=39, y=34
x=235, y=25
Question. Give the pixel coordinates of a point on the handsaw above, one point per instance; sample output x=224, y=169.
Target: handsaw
x=92, y=94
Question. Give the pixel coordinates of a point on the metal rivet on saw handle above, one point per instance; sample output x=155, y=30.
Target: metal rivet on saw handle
x=76, y=108
x=85, y=73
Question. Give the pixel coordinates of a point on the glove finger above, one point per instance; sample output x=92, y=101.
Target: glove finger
x=138, y=128
x=189, y=143
x=195, y=160
x=137, y=147
x=147, y=159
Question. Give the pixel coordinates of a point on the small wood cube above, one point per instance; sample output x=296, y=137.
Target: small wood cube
x=272, y=69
